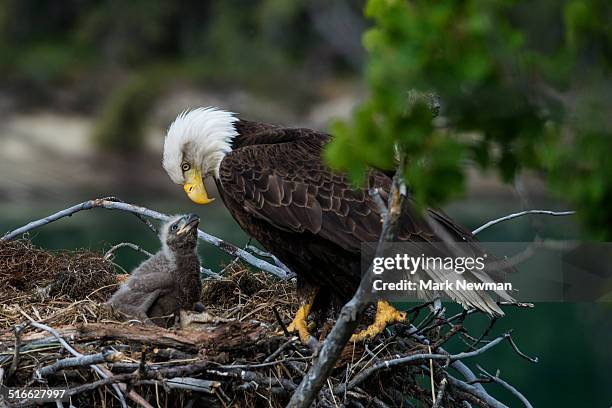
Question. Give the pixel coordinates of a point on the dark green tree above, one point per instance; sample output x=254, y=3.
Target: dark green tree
x=521, y=86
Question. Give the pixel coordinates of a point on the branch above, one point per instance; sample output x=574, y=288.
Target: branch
x=82, y=361
x=142, y=211
x=520, y=214
x=346, y=324
x=362, y=376
x=75, y=353
x=514, y=391
x=135, y=247
x=438, y=400
x=265, y=254
x=15, y=363
x=478, y=392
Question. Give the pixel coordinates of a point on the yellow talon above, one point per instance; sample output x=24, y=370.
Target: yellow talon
x=300, y=322
x=385, y=315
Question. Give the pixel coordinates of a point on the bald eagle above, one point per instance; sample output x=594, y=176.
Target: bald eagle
x=276, y=185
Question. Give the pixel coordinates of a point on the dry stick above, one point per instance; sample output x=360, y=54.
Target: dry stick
x=333, y=345
x=135, y=247
x=142, y=211
x=203, y=271
x=265, y=254
x=438, y=399
x=15, y=363
x=496, y=379
x=520, y=214
x=362, y=376
x=458, y=365
x=282, y=348
x=431, y=376
x=85, y=360
x=139, y=216
x=75, y=353
x=475, y=391
x=520, y=353
x=102, y=371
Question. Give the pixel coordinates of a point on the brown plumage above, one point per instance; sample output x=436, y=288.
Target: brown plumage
x=275, y=184
x=167, y=282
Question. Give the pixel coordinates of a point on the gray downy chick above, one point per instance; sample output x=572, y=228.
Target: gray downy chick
x=168, y=281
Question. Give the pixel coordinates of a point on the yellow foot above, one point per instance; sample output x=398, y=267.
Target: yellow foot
x=385, y=315
x=300, y=322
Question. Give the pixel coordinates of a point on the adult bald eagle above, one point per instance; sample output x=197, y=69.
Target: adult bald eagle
x=274, y=183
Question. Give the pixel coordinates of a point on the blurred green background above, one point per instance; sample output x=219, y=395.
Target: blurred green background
x=87, y=89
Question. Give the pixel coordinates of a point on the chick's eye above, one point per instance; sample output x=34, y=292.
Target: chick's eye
x=185, y=166
x=174, y=227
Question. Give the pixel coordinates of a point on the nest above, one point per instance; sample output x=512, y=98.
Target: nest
x=234, y=354
x=66, y=287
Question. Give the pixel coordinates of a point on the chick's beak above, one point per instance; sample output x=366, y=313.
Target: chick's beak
x=188, y=223
x=194, y=187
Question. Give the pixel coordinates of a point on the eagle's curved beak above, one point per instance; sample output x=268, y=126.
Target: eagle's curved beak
x=194, y=187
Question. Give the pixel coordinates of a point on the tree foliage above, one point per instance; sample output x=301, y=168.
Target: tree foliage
x=522, y=86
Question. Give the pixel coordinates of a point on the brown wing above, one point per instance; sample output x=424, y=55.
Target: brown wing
x=286, y=184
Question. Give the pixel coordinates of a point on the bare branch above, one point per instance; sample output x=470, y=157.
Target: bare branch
x=265, y=254
x=75, y=353
x=142, y=211
x=135, y=247
x=380, y=204
x=476, y=391
x=15, y=363
x=520, y=353
x=82, y=361
x=520, y=214
x=385, y=364
x=440, y=395
x=514, y=391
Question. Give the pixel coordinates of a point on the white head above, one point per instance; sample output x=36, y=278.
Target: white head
x=196, y=143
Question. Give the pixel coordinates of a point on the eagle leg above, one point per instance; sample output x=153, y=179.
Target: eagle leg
x=385, y=315
x=300, y=321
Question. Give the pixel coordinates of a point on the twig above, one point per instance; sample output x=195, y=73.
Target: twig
x=431, y=377
x=282, y=348
x=75, y=353
x=139, y=216
x=475, y=391
x=380, y=204
x=520, y=214
x=438, y=399
x=484, y=334
x=135, y=247
x=142, y=211
x=15, y=363
x=520, y=353
x=386, y=364
x=85, y=360
x=514, y=391
x=265, y=254
x=186, y=383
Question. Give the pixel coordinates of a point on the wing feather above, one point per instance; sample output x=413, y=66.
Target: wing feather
x=285, y=183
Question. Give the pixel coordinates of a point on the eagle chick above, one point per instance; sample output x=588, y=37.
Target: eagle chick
x=168, y=281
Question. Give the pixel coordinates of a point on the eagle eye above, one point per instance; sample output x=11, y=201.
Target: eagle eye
x=174, y=227
x=185, y=166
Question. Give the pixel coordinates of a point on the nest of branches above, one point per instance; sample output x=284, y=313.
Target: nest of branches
x=57, y=333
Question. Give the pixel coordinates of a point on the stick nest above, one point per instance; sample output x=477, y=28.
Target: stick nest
x=230, y=356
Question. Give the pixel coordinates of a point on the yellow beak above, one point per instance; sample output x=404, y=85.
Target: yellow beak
x=194, y=187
